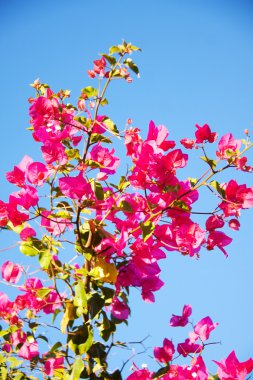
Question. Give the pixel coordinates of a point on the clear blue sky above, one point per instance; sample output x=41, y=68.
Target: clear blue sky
x=196, y=67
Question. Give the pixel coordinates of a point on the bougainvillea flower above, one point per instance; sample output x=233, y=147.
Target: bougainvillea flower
x=140, y=374
x=53, y=364
x=187, y=347
x=28, y=350
x=107, y=162
x=196, y=370
x=202, y=330
x=230, y=368
x=54, y=152
x=188, y=143
x=159, y=134
x=11, y=272
x=213, y=222
x=228, y=146
x=132, y=142
x=18, y=337
x=119, y=309
x=37, y=173
x=26, y=197
x=6, y=306
x=218, y=239
x=236, y=197
x=3, y=214
x=204, y=134
x=181, y=320
x=234, y=224
x=53, y=224
x=26, y=233
x=16, y=176
x=76, y=187
x=165, y=353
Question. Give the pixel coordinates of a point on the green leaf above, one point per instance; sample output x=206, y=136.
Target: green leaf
x=55, y=346
x=211, y=163
x=132, y=66
x=56, y=312
x=110, y=126
x=43, y=292
x=161, y=372
x=134, y=48
x=96, y=303
x=126, y=207
x=95, y=137
x=114, y=49
x=28, y=249
x=77, y=369
x=218, y=188
x=14, y=362
x=108, y=294
x=123, y=183
x=84, y=121
x=147, y=229
x=104, y=102
x=80, y=299
x=109, y=58
x=80, y=340
x=45, y=259
x=98, y=190
x=43, y=337
x=72, y=154
x=180, y=204
x=3, y=372
x=90, y=91
x=192, y=181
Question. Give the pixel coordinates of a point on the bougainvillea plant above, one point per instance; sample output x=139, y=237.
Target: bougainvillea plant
x=115, y=230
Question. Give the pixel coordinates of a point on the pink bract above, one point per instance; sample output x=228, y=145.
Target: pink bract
x=11, y=272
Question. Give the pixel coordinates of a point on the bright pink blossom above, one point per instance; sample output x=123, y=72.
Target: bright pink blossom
x=26, y=197
x=14, y=215
x=119, y=309
x=213, y=222
x=76, y=187
x=16, y=176
x=37, y=173
x=202, y=330
x=28, y=350
x=159, y=134
x=3, y=214
x=54, y=152
x=26, y=233
x=53, y=364
x=174, y=160
x=188, y=143
x=165, y=353
x=55, y=225
x=140, y=374
x=236, y=197
x=181, y=320
x=132, y=142
x=105, y=159
x=18, y=337
x=182, y=235
x=197, y=371
x=204, y=134
x=187, y=347
x=228, y=146
x=231, y=369
x=234, y=224
x=6, y=307
x=218, y=239
x=11, y=272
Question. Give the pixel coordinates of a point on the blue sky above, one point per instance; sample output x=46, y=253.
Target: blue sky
x=196, y=67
